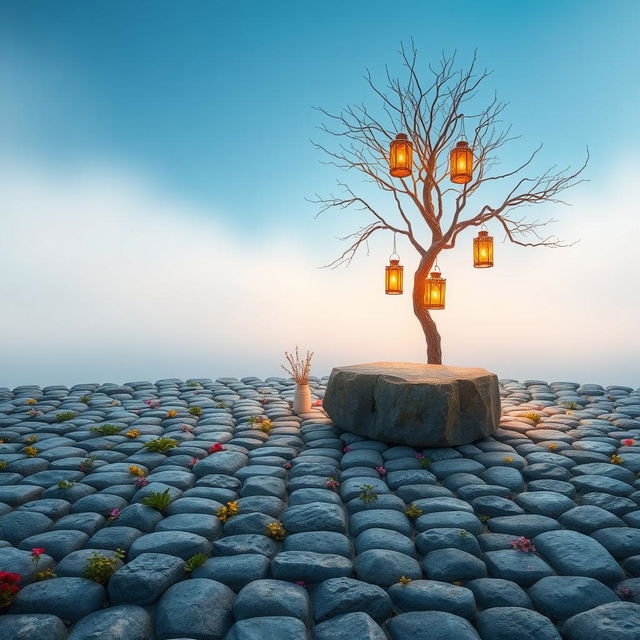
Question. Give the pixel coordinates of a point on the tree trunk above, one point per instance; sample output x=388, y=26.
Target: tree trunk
x=431, y=335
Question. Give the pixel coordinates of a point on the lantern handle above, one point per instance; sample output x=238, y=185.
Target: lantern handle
x=395, y=253
x=483, y=227
x=463, y=134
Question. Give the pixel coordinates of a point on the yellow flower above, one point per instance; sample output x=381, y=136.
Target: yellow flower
x=136, y=471
x=227, y=511
x=404, y=580
x=32, y=401
x=616, y=459
x=172, y=413
x=552, y=446
x=132, y=433
x=233, y=507
x=507, y=459
x=276, y=531
x=32, y=452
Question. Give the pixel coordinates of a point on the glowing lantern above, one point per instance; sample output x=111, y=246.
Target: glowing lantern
x=393, y=278
x=461, y=163
x=400, y=156
x=435, y=290
x=393, y=273
x=483, y=250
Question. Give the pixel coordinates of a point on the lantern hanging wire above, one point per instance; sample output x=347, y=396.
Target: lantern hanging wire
x=395, y=253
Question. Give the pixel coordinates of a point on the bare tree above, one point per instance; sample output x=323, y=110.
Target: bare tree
x=430, y=110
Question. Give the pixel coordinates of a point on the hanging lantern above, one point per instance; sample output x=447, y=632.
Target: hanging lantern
x=461, y=163
x=483, y=250
x=435, y=290
x=400, y=156
x=393, y=273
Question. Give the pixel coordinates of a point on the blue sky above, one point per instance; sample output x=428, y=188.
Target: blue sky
x=209, y=105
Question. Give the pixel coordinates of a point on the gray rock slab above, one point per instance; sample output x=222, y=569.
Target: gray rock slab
x=420, y=625
x=619, y=618
x=415, y=405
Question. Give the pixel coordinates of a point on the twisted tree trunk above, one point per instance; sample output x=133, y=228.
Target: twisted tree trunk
x=431, y=334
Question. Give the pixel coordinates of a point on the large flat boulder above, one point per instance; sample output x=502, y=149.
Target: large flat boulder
x=421, y=405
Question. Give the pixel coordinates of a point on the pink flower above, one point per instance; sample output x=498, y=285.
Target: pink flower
x=287, y=465
x=36, y=552
x=141, y=482
x=186, y=428
x=381, y=470
x=332, y=483
x=114, y=514
x=193, y=461
x=301, y=583
x=523, y=544
x=316, y=403
x=215, y=447
x=628, y=442
x=346, y=449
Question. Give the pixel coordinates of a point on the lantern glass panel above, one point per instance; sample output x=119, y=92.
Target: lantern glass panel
x=400, y=156
x=393, y=278
x=461, y=163
x=483, y=250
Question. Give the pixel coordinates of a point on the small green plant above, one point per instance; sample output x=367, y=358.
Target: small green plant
x=158, y=501
x=45, y=574
x=368, y=493
x=195, y=561
x=100, y=568
x=463, y=532
x=66, y=484
x=412, y=512
x=276, y=531
x=106, y=429
x=87, y=464
x=63, y=416
x=253, y=420
x=221, y=405
x=161, y=445
x=484, y=518
x=568, y=404
x=425, y=463
x=31, y=439
x=195, y=411
x=403, y=580
x=193, y=383
x=85, y=399
x=3, y=465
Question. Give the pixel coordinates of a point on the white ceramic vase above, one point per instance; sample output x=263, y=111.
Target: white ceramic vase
x=302, y=399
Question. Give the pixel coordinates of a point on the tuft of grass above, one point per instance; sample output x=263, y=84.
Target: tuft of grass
x=85, y=399
x=158, y=501
x=568, y=405
x=195, y=411
x=161, y=445
x=412, y=512
x=106, y=429
x=100, y=568
x=3, y=465
x=63, y=416
x=195, y=561
x=66, y=484
x=368, y=493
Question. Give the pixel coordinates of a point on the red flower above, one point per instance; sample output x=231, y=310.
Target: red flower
x=36, y=552
x=7, y=576
x=215, y=447
x=628, y=442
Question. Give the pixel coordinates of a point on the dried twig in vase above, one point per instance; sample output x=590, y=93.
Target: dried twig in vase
x=299, y=369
